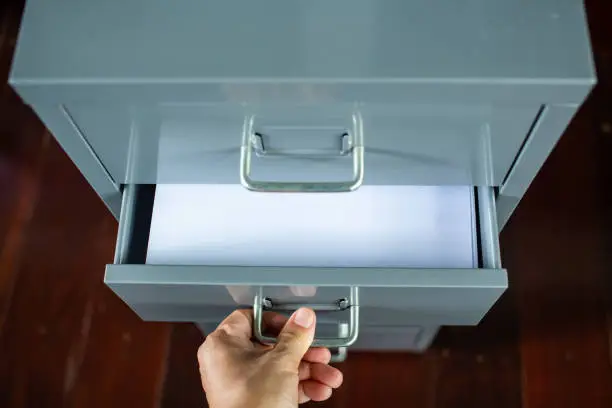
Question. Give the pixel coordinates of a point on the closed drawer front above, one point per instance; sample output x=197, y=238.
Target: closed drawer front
x=404, y=144
x=388, y=295
x=373, y=338
x=394, y=338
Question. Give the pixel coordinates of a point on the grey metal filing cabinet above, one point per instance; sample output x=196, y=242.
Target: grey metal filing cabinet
x=141, y=93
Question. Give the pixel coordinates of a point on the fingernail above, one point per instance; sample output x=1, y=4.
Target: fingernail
x=303, y=317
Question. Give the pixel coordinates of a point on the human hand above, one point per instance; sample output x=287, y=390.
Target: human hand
x=239, y=373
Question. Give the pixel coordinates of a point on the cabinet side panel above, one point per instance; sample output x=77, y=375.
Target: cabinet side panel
x=552, y=123
x=74, y=144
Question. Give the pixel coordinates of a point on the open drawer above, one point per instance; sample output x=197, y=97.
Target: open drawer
x=363, y=291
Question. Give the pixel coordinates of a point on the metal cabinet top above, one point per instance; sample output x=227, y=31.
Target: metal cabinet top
x=136, y=42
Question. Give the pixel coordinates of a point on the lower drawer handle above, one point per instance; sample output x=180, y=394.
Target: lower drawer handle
x=357, y=150
x=352, y=304
x=339, y=354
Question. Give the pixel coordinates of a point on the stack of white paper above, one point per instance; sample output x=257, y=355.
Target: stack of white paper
x=375, y=226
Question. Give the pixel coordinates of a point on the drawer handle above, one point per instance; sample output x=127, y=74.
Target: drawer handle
x=339, y=354
x=357, y=150
x=352, y=304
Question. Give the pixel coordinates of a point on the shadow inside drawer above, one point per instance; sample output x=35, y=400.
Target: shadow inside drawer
x=136, y=251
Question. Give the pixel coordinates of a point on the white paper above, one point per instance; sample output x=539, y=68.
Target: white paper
x=375, y=226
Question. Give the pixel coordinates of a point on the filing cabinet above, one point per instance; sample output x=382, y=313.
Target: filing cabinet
x=386, y=108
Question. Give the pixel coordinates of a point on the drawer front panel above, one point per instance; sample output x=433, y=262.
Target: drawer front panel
x=404, y=144
x=371, y=338
x=395, y=338
x=387, y=296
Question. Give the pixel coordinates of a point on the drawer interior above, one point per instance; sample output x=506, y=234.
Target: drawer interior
x=463, y=237
x=374, y=226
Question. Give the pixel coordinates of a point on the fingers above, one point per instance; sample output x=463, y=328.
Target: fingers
x=326, y=374
x=317, y=355
x=313, y=390
x=302, y=397
x=296, y=337
x=304, y=371
x=317, y=381
x=323, y=373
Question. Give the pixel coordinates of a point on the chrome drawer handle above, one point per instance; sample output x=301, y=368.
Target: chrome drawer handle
x=357, y=150
x=351, y=304
x=339, y=354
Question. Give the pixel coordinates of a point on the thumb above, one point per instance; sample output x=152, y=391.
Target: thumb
x=296, y=337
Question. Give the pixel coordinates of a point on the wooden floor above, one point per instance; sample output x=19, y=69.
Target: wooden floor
x=67, y=341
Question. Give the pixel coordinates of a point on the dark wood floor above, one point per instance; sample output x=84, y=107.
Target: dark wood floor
x=66, y=341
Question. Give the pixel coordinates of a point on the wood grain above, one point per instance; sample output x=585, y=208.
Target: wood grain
x=124, y=363
x=23, y=141
x=484, y=358
x=67, y=341
x=554, y=248
x=182, y=387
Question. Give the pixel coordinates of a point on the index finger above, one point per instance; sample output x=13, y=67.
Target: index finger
x=238, y=325
x=273, y=323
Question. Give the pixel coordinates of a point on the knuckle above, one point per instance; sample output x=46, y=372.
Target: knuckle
x=288, y=342
x=282, y=348
x=225, y=329
x=212, y=342
x=203, y=350
x=212, y=337
x=224, y=334
x=286, y=338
